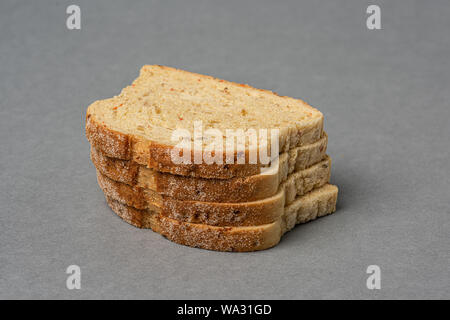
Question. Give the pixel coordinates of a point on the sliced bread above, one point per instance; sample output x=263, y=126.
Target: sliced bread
x=221, y=213
x=138, y=124
x=239, y=189
x=317, y=203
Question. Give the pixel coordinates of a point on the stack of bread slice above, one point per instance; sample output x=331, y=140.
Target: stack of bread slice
x=223, y=205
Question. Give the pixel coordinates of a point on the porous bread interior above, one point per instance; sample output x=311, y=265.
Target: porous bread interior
x=163, y=99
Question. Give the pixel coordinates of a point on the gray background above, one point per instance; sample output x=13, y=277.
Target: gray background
x=385, y=95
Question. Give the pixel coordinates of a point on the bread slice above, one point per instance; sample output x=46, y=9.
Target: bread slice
x=138, y=124
x=239, y=189
x=221, y=213
x=317, y=203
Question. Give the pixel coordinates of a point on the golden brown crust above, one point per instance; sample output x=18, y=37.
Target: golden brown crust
x=316, y=204
x=211, y=213
x=125, y=171
x=239, y=189
x=197, y=235
x=113, y=143
x=179, y=187
x=220, y=213
x=129, y=214
x=221, y=238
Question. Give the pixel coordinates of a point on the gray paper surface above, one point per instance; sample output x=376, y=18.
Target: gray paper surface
x=385, y=95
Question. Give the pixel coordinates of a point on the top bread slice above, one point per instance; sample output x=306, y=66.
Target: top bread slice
x=138, y=123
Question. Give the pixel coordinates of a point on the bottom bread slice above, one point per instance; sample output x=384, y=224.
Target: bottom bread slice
x=317, y=203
